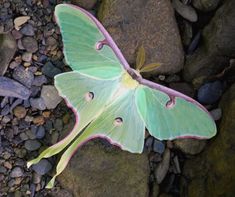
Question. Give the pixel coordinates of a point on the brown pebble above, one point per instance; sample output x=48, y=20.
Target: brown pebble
x=7, y=165
x=39, y=120
x=20, y=112
x=46, y=114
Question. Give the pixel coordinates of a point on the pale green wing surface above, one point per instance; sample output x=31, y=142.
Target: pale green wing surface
x=76, y=89
x=184, y=119
x=81, y=35
x=128, y=134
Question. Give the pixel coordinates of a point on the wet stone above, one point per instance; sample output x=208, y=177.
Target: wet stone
x=32, y=145
x=24, y=76
x=16, y=172
x=42, y=167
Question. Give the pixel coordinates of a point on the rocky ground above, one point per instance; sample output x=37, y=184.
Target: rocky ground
x=194, y=40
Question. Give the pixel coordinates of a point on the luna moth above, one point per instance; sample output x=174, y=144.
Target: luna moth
x=110, y=99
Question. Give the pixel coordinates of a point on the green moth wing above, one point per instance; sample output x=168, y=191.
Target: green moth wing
x=170, y=119
x=78, y=95
x=83, y=37
x=120, y=123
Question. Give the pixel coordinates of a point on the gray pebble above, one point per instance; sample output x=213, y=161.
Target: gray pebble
x=40, y=132
x=27, y=57
x=30, y=44
x=39, y=80
x=37, y=103
x=24, y=76
x=27, y=30
x=16, y=172
x=50, y=96
x=42, y=167
x=216, y=113
x=32, y=145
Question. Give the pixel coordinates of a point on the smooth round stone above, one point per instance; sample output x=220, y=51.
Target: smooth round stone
x=40, y=132
x=42, y=167
x=209, y=93
x=20, y=112
x=27, y=30
x=16, y=172
x=158, y=146
x=30, y=44
x=32, y=145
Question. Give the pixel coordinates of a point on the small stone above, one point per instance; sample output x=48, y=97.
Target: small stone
x=149, y=143
x=16, y=34
x=16, y=172
x=6, y=119
x=185, y=11
x=37, y=103
x=27, y=57
x=209, y=93
x=27, y=30
x=20, y=112
x=39, y=120
x=3, y=170
x=51, y=43
x=23, y=136
x=50, y=70
x=39, y=80
x=158, y=146
x=216, y=113
x=32, y=145
x=20, y=21
x=58, y=124
x=30, y=44
x=50, y=96
x=36, y=178
x=5, y=110
x=40, y=132
x=42, y=167
x=24, y=76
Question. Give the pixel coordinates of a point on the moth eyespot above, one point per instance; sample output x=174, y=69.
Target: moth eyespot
x=118, y=121
x=89, y=96
x=170, y=103
x=99, y=45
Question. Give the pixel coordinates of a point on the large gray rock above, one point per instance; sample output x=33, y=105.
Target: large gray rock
x=100, y=171
x=148, y=23
x=212, y=173
x=219, y=44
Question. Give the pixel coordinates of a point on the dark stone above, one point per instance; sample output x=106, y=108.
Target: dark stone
x=42, y=167
x=30, y=44
x=50, y=70
x=209, y=93
x=32, y=145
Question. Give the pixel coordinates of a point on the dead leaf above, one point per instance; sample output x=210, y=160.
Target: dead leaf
x=19, y=21
x=150, y=67
x=140, y=59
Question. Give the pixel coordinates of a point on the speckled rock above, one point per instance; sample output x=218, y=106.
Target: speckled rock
x=96, y=170
x=190, y=146
x=136, y=23
x=24, y=76
x=206, y=5
x=212, y=173
x=219, y=44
